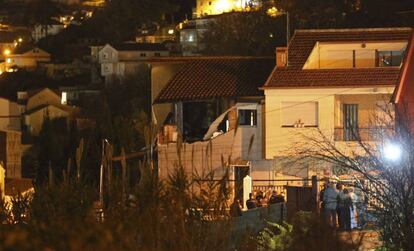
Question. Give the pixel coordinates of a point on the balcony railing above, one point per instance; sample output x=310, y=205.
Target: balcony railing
x=361, y=134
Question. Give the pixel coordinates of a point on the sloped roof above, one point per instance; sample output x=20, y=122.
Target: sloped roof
x=140, y=47
x=302, y=44
x=23, y=48
x=12, y=82
x=216, y=77
x=14, y=186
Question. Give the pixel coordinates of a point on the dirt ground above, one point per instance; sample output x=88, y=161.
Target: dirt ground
x=367, y=240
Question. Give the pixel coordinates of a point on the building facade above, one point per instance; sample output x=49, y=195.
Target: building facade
x=335, y=85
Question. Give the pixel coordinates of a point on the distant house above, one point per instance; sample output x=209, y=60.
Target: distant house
x=157, y=35
x=211, y=97
x=42, y=104
x=26, y=56
x=53, y=27
x=118, y=61
x=404, y=93
x=337, y=82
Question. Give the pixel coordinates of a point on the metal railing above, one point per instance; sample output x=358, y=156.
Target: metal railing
x=360, y=134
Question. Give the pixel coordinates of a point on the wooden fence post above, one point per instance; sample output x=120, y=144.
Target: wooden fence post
x=315, y=193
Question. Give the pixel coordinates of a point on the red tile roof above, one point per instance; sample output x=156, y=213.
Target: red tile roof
x=216, y=77
x=14, y=186
x=302, y=43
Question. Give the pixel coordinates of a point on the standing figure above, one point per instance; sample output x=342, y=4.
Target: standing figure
x=330, y=197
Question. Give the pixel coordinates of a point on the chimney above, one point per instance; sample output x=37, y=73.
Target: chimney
x=281, y=57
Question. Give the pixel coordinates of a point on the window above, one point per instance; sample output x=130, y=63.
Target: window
x=247, y=117
x=350, y=122
x=105, y=55
x=64, y=99
x=143, y=54
x=157, y=54
x=389, y=58
x=299, y=114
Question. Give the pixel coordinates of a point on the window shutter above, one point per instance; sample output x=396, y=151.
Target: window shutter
x=295, y=113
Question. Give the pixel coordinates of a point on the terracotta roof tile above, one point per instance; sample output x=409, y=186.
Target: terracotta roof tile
x=15, y=186
x=304, y=41
x=215, y=77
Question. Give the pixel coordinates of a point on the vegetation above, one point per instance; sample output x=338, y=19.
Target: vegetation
x=389, y=186
x=306, y=232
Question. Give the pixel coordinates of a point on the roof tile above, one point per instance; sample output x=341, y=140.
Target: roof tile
x=216, y=77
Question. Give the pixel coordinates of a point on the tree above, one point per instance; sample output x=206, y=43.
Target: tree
x=252, y=33
x=53, y=147
x=384, y=158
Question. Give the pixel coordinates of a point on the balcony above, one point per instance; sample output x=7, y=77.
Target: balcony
x=361, y=134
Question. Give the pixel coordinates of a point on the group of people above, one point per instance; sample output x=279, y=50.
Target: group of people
x=259, y=199
x=341, y=205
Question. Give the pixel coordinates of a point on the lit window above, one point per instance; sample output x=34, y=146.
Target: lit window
x=8, y=60
x=247, y=117
x=170, y=31
x=64, y=99
x=190, y=38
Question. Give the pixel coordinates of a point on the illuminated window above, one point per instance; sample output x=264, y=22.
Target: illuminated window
x=8, y=60
x=64, y=99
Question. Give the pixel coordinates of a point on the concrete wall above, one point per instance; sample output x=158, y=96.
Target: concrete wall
x=9, y=115
x=204, y=156
x=11, y=153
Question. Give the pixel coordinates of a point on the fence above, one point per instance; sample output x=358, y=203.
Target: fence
x=254, y=220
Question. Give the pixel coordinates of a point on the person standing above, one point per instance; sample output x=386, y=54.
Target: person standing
x=354, y=201
x=330, y=197
x=251, y=202
x=235, y=208
x=345, y=207
x=340, y=208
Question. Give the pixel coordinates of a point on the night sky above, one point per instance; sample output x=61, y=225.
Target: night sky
x=185, y=8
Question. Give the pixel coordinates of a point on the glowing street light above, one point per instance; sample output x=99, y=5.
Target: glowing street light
x=392, y=152
x=6, y=52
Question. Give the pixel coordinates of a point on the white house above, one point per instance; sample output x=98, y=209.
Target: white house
x=125, y=59
x=334, y=82
x=217, y=109
x=26, y=56
x=52, y=28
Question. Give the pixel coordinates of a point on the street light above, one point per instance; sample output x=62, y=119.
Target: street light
x=392, y=151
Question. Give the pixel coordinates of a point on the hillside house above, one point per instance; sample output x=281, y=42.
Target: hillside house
x=217, y=112
x=335, y=82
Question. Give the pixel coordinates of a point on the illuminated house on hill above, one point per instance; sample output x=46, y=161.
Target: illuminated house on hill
x=216, y=7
